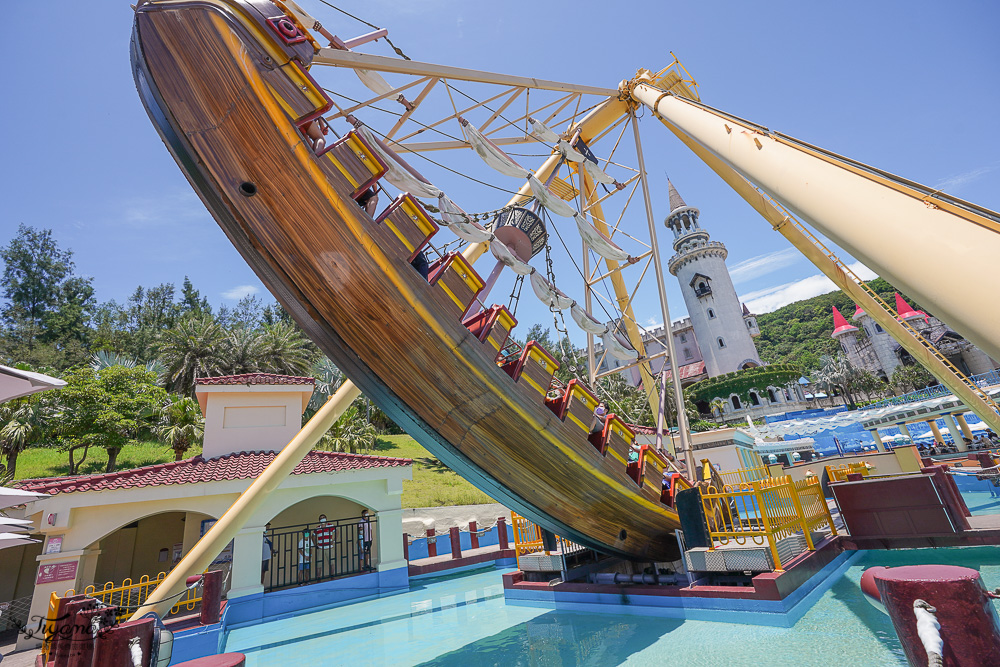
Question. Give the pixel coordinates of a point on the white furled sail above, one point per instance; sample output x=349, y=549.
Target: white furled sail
x=504, y=254
x=490, y=153
x=600, y=243
x=548, y=294
x=586, y=321
x=597, y=173
x=470, y=231
x=615, y=347
x=569, y=152
x=397, y=174
x=541, y=132
x=450, y=211
x=549, y=200
x=374, y=82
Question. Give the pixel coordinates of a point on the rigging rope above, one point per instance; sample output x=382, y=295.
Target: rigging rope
x=399, y=52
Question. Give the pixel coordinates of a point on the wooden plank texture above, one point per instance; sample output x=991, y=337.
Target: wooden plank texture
x=356, y=294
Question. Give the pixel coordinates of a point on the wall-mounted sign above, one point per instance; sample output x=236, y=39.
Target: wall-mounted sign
x=54, y=545
x=53, y=572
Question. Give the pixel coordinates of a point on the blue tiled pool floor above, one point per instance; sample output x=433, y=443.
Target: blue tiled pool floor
x=464, y=621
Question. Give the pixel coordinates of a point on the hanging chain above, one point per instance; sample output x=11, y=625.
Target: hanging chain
x=515, y=295
x=472, y=217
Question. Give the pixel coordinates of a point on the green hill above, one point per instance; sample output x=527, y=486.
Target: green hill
x=799, y=333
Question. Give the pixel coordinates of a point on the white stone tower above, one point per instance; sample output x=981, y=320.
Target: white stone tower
x=883, y=345
x=715, y=310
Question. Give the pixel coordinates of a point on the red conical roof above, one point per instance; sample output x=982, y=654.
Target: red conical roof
x=858, y=312
x=905, y=311
x=840, y=325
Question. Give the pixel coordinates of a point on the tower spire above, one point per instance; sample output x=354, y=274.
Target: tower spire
x=675, y=199
x=840, y=324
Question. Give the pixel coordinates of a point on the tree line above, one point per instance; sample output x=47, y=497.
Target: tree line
x=130, y=366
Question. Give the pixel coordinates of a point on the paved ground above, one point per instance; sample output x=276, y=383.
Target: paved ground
x=20, y=659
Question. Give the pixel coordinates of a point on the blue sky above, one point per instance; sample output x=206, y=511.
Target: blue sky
x=908, y=87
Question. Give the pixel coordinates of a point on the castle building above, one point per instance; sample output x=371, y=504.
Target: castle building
x=717, y=336
x=723, y=326
x=869, y=346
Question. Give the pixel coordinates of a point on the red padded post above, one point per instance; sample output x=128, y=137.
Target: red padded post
x=406, y=546
x=432, y=547
x=502, y=532
x=473, y=535
x=456, y=542
x=969, y=624
x=211, y=597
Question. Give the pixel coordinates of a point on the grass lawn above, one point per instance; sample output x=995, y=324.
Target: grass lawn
x=433, y=484
x=51, y=462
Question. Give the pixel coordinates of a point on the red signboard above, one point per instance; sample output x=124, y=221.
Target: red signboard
x=53, y=572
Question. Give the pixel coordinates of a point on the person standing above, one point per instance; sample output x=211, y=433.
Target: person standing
x=306, y=545
x=365, y=540
x=268, y=553
x=326, y=534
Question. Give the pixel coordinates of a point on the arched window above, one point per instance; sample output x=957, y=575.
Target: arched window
x=684, y=338
x=770, y=395
x=754, y=398
x=687, y=353
x=711, y=314
x=736, y=403
x=722, y=343
x=878, y=328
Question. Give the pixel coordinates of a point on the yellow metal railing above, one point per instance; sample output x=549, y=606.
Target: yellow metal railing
x=839, y=473
x=128, y=596
x=528, y=539
x=764, y=512
x=745, y=475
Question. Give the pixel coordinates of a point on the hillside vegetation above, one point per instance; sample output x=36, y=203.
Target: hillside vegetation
x=799, y=333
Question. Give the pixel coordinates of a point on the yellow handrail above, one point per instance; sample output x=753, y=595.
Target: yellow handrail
x=127, y=596
x=765, y=511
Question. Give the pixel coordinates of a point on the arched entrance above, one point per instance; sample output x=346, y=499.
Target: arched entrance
x=147, y=546
x=300, y=548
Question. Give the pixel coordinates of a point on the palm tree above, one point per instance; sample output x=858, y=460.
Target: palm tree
x=351, y=433
x=23, y=425
x=181, y=425
x=194, y=348
x=837, y=373
x=718, y=406
x=284, y=350
x=104, y=359
x=244, y=349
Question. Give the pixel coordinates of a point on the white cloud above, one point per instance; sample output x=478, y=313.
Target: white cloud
x=240, y=291
x=167, y=209
x=761, y=265
x=956, y=182
x=772, y=298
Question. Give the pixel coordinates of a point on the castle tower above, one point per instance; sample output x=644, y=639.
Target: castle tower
x=847, y=335
x=717, y=316
x=882, y=344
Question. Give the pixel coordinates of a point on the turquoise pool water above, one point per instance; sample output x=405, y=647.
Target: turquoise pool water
x=464, y=621
x=980, y=495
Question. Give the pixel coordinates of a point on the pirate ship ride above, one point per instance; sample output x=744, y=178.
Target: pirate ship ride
x=229, y=85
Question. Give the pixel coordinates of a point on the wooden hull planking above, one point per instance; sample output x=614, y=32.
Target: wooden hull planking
x=227, y=116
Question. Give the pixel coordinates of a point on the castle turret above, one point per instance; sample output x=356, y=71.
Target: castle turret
x=724, y=336
x=846, y=334
x=751, y=321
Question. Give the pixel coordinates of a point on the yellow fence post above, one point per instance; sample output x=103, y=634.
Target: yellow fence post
x=763, y=505
x=802, y=517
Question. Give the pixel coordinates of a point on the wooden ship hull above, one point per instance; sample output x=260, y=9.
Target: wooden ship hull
x=225, y=82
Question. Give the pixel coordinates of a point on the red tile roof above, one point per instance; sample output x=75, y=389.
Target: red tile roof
x=690, y=370
x=196, y=470
x=256, y=378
